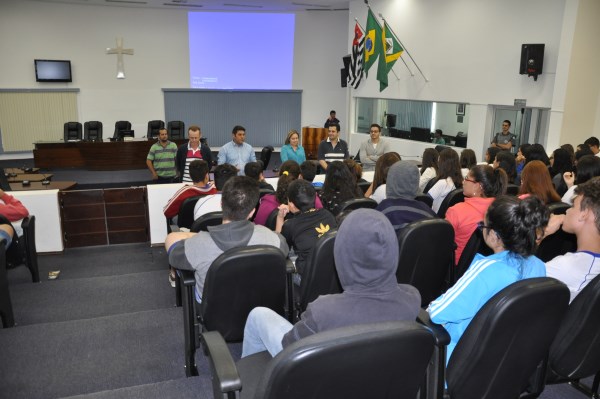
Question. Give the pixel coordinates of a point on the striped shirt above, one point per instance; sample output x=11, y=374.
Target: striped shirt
x=163, y=159
x=191, y=155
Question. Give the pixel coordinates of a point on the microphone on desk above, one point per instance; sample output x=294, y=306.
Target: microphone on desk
x=46, y=181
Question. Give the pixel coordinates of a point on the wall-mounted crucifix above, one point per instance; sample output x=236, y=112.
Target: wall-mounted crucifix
x=119, y=51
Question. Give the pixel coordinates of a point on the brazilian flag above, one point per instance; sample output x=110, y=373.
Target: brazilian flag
x=391, y=51
x=372, y=42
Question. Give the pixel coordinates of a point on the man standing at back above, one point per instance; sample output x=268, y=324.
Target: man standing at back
x=196, y=251
x=161, y=159
x=237, y=152
x=505, y=139
x=332, y=149
x=194, y=149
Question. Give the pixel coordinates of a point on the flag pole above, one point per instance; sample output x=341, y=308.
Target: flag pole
x=405, y=49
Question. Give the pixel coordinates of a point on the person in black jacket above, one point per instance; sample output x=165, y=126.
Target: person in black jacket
x=194, y=149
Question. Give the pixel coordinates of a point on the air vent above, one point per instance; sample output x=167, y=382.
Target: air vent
x=183, y=5
x=242, y=5
x=126, y=1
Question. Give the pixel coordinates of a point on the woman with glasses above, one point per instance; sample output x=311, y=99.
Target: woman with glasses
x=511, y=228
x=482, y=185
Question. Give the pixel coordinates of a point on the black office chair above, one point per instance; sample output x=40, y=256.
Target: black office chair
x=364, y=186
x=575, y=352
x=185, y=216
x=512, y=189
x=92, y=131
x=426, y=256
x=239, y=280
x=206, y=220
x=22, y=250
x=319, y=276
x=503, y=344
x=120, y=126
x=4, y=184
x=356, y=203
x=558, y=208
x=381, y=360
x=265, y=156
x=475, y=245
x=453, y=198
x=6, y=311
x=72, y=131
x=31, y=258
x=425, y=199
x=153, y=128
x=176, y=130
x=430, y=184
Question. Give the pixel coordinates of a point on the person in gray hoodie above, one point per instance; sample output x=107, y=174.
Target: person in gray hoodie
x=196, y=251
x=400, y=206
x=366, y=258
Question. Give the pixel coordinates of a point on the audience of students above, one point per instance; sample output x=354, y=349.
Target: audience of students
x=506, y=161
x=196, y=251
x=588, y=166
x=198, y=172
x=366, y=257
x=255, y=171
x=560, y=163
x=490, y=154
x=288, y=172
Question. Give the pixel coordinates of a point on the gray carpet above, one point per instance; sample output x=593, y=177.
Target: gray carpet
x=84, y=298
x=73, y=357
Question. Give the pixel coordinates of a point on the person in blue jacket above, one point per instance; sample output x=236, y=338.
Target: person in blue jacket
x=292, y=150
x=512, y=228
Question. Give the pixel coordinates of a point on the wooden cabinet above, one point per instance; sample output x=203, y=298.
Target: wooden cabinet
x=103, y=217
x=311, y=137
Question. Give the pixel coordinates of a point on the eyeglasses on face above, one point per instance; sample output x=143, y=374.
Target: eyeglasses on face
x=481, y=225
x=471, y=180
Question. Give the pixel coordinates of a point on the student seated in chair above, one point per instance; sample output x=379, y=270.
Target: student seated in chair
x=198, y=171
x=511, y=228
x=196, y=251
x=255, y=171
x=366, y=257
x=12, y=213
x=212, y=203
x=308, y=223
x=577, y=269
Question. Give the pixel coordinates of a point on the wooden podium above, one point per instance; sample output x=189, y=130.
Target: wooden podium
x=311, y=137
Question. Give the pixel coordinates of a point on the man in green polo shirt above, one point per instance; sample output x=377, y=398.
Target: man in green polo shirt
x=161, y=159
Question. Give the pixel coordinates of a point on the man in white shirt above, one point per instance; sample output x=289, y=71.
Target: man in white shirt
x=577, y=269
x=372, y=149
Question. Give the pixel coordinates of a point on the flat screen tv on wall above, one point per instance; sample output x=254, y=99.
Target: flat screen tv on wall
x=52, y=71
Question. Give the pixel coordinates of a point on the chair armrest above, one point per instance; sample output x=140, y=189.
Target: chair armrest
x=225, y=377
x=187, y=277
x=290, y=268
x=442, y=338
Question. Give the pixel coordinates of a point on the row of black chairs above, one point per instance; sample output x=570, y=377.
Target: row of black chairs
x=30, y=261
x=534, y=306
x=92, y=130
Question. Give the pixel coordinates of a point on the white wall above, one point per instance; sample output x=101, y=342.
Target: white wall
x=81, y=33
x=470, y=52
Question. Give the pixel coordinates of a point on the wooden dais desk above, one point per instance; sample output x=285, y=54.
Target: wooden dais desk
x=36, y=185
x=93, y=155
x=29, y=176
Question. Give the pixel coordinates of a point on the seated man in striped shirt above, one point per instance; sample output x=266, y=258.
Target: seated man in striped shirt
x=194, y=149
x=332, y=149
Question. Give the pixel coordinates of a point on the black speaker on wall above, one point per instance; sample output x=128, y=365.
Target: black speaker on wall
x=532, y=60
x=344, y=71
